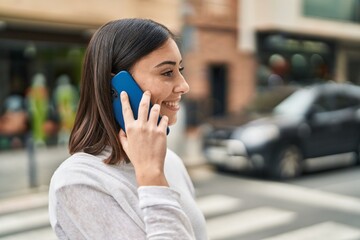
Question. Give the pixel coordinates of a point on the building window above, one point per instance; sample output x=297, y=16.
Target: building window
x=338, y=10
x=39, y=92
x=291, y=59
x=218, y=76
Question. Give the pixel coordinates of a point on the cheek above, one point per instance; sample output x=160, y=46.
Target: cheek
x=158, y=88
x=155, y=90
x=159, y=93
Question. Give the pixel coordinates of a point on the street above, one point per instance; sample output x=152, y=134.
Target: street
x=252, y=85
x=321, y=205
x=18, y=173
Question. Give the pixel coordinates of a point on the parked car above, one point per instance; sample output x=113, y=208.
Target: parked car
x=290, y=127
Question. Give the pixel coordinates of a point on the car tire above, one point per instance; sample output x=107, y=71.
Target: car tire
x=220, y=168
x=288, y=163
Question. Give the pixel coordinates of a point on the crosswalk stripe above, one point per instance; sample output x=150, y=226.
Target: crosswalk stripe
x=327, y=230
x=21, y=221
x=312, y=197
x=244, y=222
x=40, y=234
x=216, y=203
x=20, y=203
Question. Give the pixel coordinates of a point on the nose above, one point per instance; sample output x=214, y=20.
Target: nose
x=182, y=86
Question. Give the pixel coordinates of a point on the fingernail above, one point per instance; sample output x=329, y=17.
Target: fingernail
x=156, y=106
x=147, y=93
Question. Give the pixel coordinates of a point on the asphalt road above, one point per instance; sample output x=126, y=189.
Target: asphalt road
x=320, y=205
x=323, y=205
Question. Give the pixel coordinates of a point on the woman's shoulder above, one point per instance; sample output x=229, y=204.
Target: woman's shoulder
x=76, y=167
x=86, y=160
x=78, y=161
x=86, y=169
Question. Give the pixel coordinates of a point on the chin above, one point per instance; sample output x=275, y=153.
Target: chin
x=171, y=116
x=172, y=120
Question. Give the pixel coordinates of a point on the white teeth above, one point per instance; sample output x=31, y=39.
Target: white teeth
x=172, y=104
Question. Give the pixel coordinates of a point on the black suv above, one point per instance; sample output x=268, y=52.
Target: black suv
x=288, y=127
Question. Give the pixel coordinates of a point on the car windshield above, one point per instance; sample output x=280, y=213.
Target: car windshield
x=296, y=103
x=284, y=100
x=265, y=101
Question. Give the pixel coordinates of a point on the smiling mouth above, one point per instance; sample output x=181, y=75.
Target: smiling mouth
x=173, y=105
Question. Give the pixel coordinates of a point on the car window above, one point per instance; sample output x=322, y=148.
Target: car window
x=343, y=102
x=297, y=103
x=265, y=101
x=324, y=103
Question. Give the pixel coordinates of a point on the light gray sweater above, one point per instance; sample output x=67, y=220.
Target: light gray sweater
x=89, y=199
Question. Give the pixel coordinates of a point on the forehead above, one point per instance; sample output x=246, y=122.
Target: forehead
x=168, y=51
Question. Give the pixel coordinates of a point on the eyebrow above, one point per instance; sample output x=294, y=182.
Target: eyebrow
x=166, y=63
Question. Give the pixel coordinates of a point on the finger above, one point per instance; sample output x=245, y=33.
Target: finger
x=126, y=108
x=123, y=140
x=154, y=114
x=164, y=122
x=143, y=111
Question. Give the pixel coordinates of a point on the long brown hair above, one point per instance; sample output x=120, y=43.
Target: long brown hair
x=116, y=46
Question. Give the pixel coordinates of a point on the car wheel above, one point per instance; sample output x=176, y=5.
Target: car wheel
x=288, y=163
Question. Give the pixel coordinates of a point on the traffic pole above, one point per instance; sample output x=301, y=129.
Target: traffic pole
x=32, y=168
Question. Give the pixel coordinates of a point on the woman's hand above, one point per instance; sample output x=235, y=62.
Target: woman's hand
x=145, y=141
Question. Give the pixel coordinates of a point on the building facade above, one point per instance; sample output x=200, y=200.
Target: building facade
x=236, y=48
x=220, y=76
x=232, y=49
x=307, y=39
x=42, y=44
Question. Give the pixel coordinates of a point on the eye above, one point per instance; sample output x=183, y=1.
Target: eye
x=181, y=69
x=168, y=73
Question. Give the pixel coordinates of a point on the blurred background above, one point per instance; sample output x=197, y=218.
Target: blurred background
x=270, y=130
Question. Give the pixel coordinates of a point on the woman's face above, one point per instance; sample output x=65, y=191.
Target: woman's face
x=160, y=73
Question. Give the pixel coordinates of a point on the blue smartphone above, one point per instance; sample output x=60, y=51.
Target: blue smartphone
x=123, y=81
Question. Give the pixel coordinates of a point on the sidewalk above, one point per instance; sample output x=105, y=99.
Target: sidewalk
x=20, y=174
x=23, y=210
x=25, y=215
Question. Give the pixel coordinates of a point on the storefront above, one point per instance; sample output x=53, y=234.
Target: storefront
x=42, y=44
x=285, y=58
x=301, y=41
x=40, y=71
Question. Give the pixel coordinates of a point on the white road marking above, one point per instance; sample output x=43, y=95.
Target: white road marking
x=244, y=222
x=21, y=203
x=215, y=204
x=326, y=230
x=23, y=220
x=312, y=197
x=40, y=234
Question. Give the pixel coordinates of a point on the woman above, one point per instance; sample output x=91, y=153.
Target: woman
x=126, y=186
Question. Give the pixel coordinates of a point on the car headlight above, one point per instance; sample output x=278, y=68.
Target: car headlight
x=257, y=136
x=236, y=147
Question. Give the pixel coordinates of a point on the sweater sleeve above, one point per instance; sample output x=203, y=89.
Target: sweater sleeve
x=163, y=215
x=84, y=212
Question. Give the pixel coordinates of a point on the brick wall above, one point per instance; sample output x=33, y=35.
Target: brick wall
x=214, y=41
